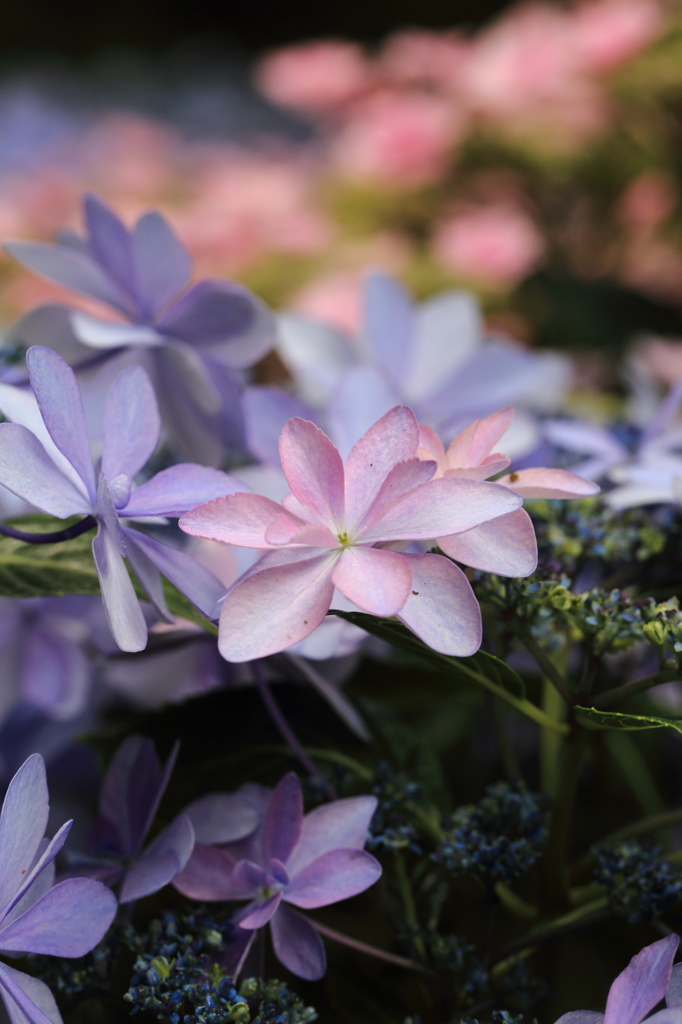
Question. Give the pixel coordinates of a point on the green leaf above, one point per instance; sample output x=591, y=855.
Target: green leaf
x=616, y=720
x=55, y=570
x=496, y=671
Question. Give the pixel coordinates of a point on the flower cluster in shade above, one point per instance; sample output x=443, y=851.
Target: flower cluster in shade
x=37, y=916
x=339, y=527
x=640, y=884
x=290, y=860
x=499, y=838
x=45, y=458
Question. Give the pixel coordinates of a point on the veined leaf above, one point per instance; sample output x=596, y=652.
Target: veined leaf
x=481, y=669
x=616, y=720
x=55, y=570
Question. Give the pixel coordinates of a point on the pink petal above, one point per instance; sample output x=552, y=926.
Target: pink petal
x=375, y=580
x=285, y=531
x=440, y=508
x=275, y=608
x=336, y=875
x=403, y=478
x=283, y=818
x=314, y=471
x=549, y=483
x=339, y=825
x=241, y=519
x=472, y=446
x=281, y=530
x=261, y=913
x=208, y=876
x=431, y=447
x=393, y=439
x=441, y=608
x=489, y=467
x=506, y=546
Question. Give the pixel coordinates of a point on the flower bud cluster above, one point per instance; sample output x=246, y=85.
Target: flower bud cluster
x=499, y=838
x=640, y=884
x=391, y=828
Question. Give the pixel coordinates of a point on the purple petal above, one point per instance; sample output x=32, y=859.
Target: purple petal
x=92, y=332
x=55, y=674
x=150, y=578
x=506, y=546
x=107, y=514
x=404, y=477
x=237, y=951
x=224, y=316
x=44, y=861
x=129, y=790
x=50, y=320
x=249, y=877
x=111, y=244
x=668, y=1016
x=389, y=324
x=61, y=406
x=340, y=825
x=208, y=876
x=41, y=884
x=334, y=876
x=199, y=585
x=297, y=945
x=178, y=837
x=642, y=984
x=581, y=1017
x=222, y=817
x=441, y=607
x=266, y=410
x=283, y=818
x=69, y=268
x=28, y=471
x=260, y=913
x=22, y=824
x=162, y=263
x=673, y=995
x=68, y=921
x=122, y=608
x=179, y=489
x=361, y=397
x=27, y=1000
x=149, y=875
x=130, y=423
x=448, y=331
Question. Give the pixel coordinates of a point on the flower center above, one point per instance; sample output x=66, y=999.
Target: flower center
x=343, y=540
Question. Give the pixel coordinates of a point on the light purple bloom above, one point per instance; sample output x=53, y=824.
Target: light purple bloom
x=638, y=989
x=307, y=862
x=60, y=479
x=195, y=343
x=129, y=800
x=37, y=916
x=435, y=358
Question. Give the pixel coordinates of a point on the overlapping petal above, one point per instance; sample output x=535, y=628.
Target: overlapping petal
x=342, y=824
x=441, y=607
x=375, y=580
x=549, y=483
x=239, y=519
x=336, y=875
x=642, y=984
x=123, y=611
x=314, y=472
x=506, y=546
x=392, y=439
x=23, y=821
x=162, y=263
x=297, y=945
x=68, y=921
x=27, y=1000
x=179, y=489
x=28, y=471
x=130, y=424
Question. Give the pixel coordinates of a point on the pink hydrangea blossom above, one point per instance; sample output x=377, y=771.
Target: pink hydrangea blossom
x=314, y=76
x=496, y=244
x=337, y=528
x=423, y=58
x=607, y=32
x=506, y=545
x=398, y=136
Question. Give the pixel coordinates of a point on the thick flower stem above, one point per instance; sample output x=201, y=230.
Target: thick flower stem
x=285, y=730
x=407, y=898
x=555, y=852
x=86, y=523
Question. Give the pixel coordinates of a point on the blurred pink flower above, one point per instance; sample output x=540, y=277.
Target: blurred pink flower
x=607, y=32
x=127, y=156
x=497, y=244
x=314, y=76
x=335, y=298
x=419, y=57
x=647, y=201
x=399, y=136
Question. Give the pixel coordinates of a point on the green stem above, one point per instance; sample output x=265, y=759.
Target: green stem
x=523, y=706
x=544, y=661
x=557, y=843
x=624, y=751
x=348, y=762
x=407, y=898
x=550, y=741
x=589, y=914
x=627, y=690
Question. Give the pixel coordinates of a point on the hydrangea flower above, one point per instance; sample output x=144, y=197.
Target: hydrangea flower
x=308, y=862
x=434, y=358
x=37, y=916
x=638, y=989
x=129, y=799
x=335, y=530
x=194, y=342
x=61, y=481
x=506, y=546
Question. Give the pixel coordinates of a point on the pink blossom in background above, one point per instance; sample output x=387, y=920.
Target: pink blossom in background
x=648, y=201
x=497, y=244
x=126, y=156
x=398, y=136
x=335, y=298
x=660, y=359
x=314, y=76
x=420, y=57
x=607, y=32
